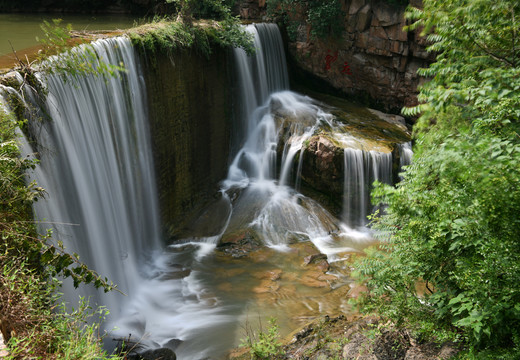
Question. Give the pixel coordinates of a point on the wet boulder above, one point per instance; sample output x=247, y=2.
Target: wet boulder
x=323, y=165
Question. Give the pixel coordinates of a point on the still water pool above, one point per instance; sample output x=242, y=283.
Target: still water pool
x=20, y=31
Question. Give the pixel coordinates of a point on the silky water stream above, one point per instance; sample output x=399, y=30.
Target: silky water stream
x=273, y=251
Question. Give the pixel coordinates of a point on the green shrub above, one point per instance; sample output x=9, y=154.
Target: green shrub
x=448, y=265
x=264, y=345
x=451, y=227
x=168, y=36
x=325, y=17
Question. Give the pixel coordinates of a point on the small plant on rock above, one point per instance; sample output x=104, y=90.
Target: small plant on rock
x=264, y=345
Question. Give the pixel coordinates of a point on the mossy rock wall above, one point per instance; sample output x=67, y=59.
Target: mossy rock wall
x=190, y=123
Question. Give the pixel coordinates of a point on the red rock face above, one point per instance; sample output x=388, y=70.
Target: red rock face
x=373, y=56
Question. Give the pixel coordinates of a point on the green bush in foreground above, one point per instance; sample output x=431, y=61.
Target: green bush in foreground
x=452, y=227
x=38, y=326
x=448, y=265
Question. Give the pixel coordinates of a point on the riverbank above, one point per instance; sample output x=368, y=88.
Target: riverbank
x=355, y=337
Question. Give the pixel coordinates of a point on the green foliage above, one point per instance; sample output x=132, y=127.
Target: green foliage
x=227, y=31
x=265, y=345
x=231, y=33
x=208, y=9
x=168, y=36
x=325, y=17
x=162, y=35
x=78, y=332
x=69, y=62
x=28, y=306
x=477, y=63
x=448, y=231
x=55, y=37
x=448, y=265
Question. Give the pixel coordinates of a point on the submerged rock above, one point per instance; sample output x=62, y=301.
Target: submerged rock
x=240, y=243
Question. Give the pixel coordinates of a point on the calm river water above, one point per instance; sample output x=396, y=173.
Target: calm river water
x=21, y=30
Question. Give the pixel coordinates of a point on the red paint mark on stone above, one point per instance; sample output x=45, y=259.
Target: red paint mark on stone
x=346, y=69
x=329, y=59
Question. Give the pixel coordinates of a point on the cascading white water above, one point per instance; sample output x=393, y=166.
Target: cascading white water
x=262, y=201
x=258, y=76
x=267, y=203
x=355, y=194
x=405, y=154
x=97, y=167
x=180, y=311
x=362, y=168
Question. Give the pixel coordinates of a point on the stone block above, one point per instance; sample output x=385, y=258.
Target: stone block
x=386, y=14
x=362, y=40
x=190, y=137
x=377, y=46
x=359, y=59
x=395, y=32
x=420, y=52
x=379, y=32
x=396, y=47
x=355, y=6
x=396, y=62
x=364, y=17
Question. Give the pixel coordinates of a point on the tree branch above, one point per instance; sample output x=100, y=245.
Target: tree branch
x=488, y=52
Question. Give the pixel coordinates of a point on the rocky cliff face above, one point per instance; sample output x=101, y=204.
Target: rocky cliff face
x=190, y=121
x=373, y=59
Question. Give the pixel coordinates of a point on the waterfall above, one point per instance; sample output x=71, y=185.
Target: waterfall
x=176, y=307
x=362, y=168
x=96, y=166
x=258, y=76
x=355, y=194
x=277, y=119
x=405, y=154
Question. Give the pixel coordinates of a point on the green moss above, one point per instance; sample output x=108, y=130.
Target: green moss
x=166, y=36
